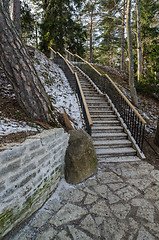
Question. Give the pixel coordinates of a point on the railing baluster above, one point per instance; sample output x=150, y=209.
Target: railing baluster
x=131, y=117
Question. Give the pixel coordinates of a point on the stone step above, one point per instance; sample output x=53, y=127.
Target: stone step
x=106, y=136
x=100, y=108
x=111, y=143
x=89, y=91
x=106, y=123
x=107, y=129
x=115, y=152
x=95, y=98
x=97, y=104
x=103, y=116
x=107, y=112
x=85, y=83
x=91, y=94
x=94, y=120
x=118, y=159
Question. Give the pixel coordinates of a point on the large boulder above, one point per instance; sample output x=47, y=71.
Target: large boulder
x=80, y=159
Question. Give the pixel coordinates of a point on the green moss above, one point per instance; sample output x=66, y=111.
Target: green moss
x=10, y=216
x=5, y=218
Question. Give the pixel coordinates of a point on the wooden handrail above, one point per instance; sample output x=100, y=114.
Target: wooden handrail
x=125, y=98
x=70, y=52
x=84, y=101
x=80, y=88
x=66, y=62
x=53, y=50
x=89, y=65
x=120, y=92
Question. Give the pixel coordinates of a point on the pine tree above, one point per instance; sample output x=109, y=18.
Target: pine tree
x=122, y=37
x=21, y=73
x=58, y=29
x=110, y=26
x=90, y=12
x=130, y=54
x=139, y=46
x=28, y=24
x=15, y=14
x=149, y=36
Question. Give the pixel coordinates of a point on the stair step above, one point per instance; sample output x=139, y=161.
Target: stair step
x=111, y=143
x=101, y=116
x=85, y=83
x=97, y=96
x=95, y=101
x=119, y=159
x=97, y=104
x=115, y=152
x=109, y=139
x=90, y=94
x=106, y=123
x=89, y=90
x=99, y=108
x=107, y=136
x=107, y=129
x=101, y=112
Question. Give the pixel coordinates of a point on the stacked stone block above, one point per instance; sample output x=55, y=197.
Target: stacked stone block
x=29, y=173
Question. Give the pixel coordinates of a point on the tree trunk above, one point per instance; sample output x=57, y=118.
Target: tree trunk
x=130, y=55
x=61, y=33
x=91, y=36
x=36, y=35
x=157, y=134
x=15, y=14
x=21, y=73
x=139, y=46
x=122, y=38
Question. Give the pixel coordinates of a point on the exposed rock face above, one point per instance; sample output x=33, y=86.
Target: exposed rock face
x=80, y=159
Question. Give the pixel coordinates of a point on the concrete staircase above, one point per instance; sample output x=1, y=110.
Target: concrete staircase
x=110, y=140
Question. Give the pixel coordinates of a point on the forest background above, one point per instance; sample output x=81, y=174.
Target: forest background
x=96, y=30
x=120, y=34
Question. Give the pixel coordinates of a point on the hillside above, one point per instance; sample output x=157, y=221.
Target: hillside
x=16, y=126
x=14, y=123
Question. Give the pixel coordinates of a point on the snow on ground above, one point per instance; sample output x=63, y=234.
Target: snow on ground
x=57, y=87
x=8, y=126
x=59, y=91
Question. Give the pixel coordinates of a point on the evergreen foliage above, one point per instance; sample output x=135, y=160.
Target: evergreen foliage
x=110, y=33
x=150, y=37
x=59, y=28
x=27, y=22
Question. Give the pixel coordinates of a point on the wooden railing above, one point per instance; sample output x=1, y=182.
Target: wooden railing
x=75, y=84
x=131, y=117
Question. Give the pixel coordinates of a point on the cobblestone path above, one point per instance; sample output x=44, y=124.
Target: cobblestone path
x=120, y=202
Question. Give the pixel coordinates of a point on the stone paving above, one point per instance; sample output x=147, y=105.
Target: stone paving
x=120, y=202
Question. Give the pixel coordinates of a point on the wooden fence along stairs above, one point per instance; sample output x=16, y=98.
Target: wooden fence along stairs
x=112, y=141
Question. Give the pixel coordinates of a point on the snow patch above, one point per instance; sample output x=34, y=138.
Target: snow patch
x=59, y=91
x=58, y=88
x=8, y=126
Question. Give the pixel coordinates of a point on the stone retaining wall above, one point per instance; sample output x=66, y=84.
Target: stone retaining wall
x=29, y=173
